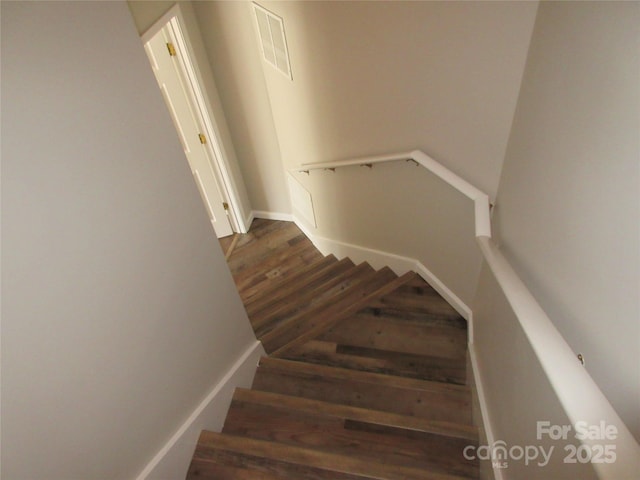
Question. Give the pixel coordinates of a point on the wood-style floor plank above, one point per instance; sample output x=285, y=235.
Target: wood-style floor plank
x=276, y=267
x=273, y=457
x=340, y=311
x=404, y=396
x=419, y=297
x=318, y=292
x=464, y=432
x=355, y=438
x=274, y=241
x=381, y=333
x=321, y=315
x=379, y=361
x=366, y=378
x=299, y=289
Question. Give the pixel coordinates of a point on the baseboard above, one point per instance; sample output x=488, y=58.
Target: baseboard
x=481, y=416
x=284, y=217
x=172, y=461
x=378, y=259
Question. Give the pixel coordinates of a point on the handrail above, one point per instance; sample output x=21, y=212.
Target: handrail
x=364, y=161
x=569, y=379
x=480, y=199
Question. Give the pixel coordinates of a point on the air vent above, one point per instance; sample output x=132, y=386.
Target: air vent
x=274, y=43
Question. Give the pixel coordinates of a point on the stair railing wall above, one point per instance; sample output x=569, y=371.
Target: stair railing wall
x=578, y=395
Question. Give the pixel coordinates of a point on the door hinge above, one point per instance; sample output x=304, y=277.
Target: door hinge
x=202, y=138
x=225, y=205
x=172, y=49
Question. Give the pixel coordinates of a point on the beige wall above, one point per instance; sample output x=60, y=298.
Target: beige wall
x=146, y=13
x=119, y=313
x=425, y=220
x=569, y=200
x=375, y=77
x=380, y=77
x=228, y=35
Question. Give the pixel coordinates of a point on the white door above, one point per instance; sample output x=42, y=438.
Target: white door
x=176, y=89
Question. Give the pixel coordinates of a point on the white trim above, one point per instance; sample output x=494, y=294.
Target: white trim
x=487, y=424
x=176, y=454
x=480, y=199
x=379, y=259
x=228, y=189
x=249, y=220
x=284, y=217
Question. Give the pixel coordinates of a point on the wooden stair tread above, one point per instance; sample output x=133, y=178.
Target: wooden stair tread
x=275, y=290
x=300, y=368
x=274, y=456
x=356, y=438
x=365, y=378
x=379, y=309
x=294, y=327
x=260, y=230
x=396, y=335
x=418, y=296
x=400, y=395
x=276, y=267
x=299, y=303
x=342, y=308
x=377, y=417
x=275, y=241
x=303, y=294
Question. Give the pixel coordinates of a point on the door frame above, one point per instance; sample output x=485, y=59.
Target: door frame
x=174, y=18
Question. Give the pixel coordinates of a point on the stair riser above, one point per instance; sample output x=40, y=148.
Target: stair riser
x=378, y=361
x=396, y=336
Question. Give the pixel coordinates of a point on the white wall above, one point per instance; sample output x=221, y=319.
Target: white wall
x=567, y=214
x=569, y=199
x=119, y=314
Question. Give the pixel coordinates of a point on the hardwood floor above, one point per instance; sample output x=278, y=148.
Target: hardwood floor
x=365, y=377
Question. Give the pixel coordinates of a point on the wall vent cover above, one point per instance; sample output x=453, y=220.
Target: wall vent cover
x=273, y=40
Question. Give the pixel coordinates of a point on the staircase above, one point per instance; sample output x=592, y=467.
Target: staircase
x=365, y=377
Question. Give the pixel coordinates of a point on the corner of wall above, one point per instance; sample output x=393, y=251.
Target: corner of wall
x=173, y=459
